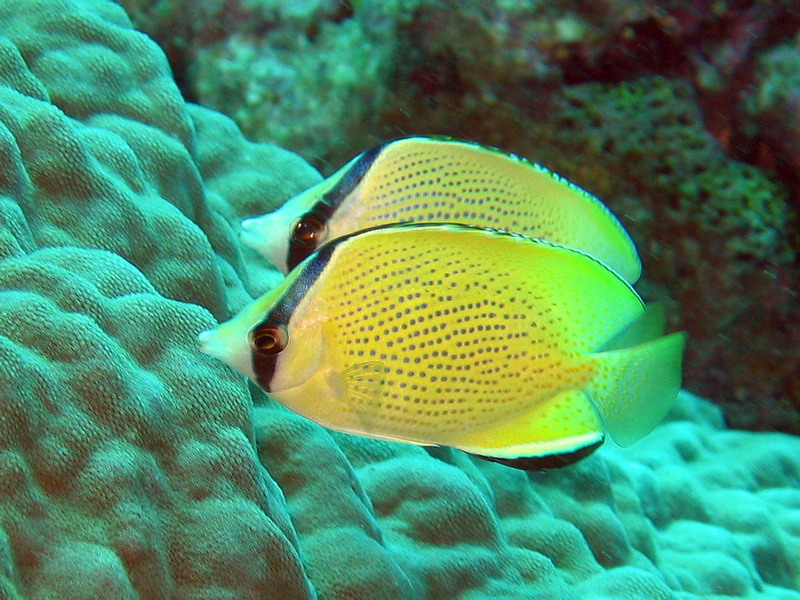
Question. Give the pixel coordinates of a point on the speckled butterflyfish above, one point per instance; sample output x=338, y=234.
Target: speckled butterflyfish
x=440, y=180
x=437, y=334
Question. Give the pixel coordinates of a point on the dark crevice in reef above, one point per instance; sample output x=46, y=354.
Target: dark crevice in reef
x=180, y=71
x=637, y=51
x=647, y=49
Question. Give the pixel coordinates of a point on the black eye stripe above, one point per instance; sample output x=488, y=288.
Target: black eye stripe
x=264, y=364
x=264, y=368
x=299, y=247
x=323, y=210
x=344, y=187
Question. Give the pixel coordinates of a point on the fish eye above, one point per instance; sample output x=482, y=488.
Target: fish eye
x=309, y=229
x=269, y=339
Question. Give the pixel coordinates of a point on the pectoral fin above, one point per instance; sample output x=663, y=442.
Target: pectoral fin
x=361, y=388
x=361, y=384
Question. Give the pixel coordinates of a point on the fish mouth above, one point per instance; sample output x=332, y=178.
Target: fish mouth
x=208, y=341
x=252, y=233
x=259, y=234
x=227, y=348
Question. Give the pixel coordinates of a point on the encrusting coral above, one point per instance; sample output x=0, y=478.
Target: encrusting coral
x=132, y=466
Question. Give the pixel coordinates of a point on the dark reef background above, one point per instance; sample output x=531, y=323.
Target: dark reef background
x=683, y=116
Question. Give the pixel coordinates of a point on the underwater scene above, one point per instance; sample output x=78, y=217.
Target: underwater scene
x=402, y=299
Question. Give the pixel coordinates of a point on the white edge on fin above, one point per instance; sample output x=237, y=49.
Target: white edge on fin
x=548, y=448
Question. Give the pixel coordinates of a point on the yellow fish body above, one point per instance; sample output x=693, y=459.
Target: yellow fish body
x=441, y=334
x=440, y=180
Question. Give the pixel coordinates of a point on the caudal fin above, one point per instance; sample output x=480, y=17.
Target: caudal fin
x=635, y=387
x=649, y=326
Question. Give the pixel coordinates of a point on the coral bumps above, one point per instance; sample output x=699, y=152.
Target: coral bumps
x=133, y=467
x=123, y=458
x=127, y=467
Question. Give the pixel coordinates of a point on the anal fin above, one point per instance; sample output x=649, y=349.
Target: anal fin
x=556, y=433
x=543, y=463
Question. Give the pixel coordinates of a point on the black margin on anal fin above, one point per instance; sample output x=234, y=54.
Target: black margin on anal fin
x=543, y=463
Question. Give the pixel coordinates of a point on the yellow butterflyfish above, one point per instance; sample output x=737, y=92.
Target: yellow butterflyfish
x=423, y=179
x=500, y=345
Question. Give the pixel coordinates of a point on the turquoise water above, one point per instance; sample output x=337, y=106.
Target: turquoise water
x=135, y=137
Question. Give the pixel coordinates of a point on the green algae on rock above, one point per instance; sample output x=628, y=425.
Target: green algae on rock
x=713, y=231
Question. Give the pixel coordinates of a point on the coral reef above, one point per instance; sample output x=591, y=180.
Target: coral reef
x=127, y=458
x=132, y=466
x=406, y=64
x=127, y=461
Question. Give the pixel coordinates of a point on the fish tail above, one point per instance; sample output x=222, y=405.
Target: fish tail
x=649, y=326
x=634, y=387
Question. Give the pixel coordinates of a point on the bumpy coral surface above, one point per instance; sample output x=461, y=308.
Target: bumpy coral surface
x=692, y=511
x=128, y=465
x=133, y=466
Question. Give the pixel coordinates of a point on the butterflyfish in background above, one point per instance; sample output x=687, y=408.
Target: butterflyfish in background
x=423, y=179
x=500, y=345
